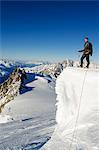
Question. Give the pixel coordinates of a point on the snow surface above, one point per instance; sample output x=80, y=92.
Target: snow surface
x=28, y=121
x=77, y=114
x=32, y=101
x=5, y=118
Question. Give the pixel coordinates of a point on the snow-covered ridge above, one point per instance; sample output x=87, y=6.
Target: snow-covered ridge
x=7, y=63
x=33, y=114
x=50, y=68
x=33, y=123
x=77, y=113
x=39, y=66
x=9, y=89
x=7, y=66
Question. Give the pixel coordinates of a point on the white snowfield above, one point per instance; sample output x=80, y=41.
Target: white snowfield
x=77, y=113
x=37, y=99
x=28, y=121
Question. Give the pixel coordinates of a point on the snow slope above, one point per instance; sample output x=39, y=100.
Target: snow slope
x=77, y=113
x=31, y=116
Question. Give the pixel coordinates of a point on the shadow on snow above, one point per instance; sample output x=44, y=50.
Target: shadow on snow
x=24, y=88
x=30, y=78
x=35, y=145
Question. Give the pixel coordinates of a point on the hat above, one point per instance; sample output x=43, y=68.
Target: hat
x=86, y=38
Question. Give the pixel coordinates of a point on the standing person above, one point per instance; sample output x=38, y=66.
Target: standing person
x=87, y=51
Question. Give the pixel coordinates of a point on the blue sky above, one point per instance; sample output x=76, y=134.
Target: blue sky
x=48, y=30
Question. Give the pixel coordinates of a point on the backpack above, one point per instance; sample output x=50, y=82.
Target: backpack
x=91, y=48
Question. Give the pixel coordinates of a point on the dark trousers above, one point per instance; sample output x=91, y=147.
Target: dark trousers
x=87, y=59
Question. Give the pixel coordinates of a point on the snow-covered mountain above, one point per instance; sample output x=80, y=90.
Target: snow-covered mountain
x=77, y=113
x=6, y=67
x=36, y=62
x=28, y=122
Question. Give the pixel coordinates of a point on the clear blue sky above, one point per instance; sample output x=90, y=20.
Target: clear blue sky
x=48, y=30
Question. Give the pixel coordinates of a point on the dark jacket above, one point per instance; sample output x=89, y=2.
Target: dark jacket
x=88, y=50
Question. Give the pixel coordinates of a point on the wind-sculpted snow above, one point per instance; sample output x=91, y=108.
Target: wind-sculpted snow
x=77, y=113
